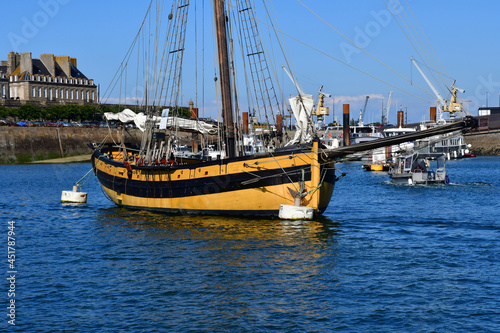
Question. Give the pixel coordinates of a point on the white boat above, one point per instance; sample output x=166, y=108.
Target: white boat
x=416, y=168
x=453, y=145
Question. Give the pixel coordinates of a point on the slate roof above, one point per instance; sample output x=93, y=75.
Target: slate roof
x=39, y=68
x=75, y=72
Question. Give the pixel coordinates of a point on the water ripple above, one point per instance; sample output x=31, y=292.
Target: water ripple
x=383, y=258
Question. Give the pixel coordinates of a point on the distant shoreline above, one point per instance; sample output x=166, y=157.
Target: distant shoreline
x=70, y=159
x=20, y=145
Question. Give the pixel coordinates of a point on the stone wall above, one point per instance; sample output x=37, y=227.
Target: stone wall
x=28, y=144
x=484, y=144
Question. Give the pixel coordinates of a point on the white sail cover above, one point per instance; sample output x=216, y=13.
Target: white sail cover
x=139, y=119
x=302, y=106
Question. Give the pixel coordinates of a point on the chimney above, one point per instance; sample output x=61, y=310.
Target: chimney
x=49, y=63
x=194, y=113
x=12, y=62
x=401, y=119
x=347, y=132
x=72, y=60
x=26, y=63
x=64, y=63
x=245, y=122
x=433, y=114
x=279, y=123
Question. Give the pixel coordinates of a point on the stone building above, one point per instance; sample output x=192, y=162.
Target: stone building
x=46, y=81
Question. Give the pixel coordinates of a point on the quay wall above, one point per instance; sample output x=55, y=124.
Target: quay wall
x=29, y=144
x=484, y=144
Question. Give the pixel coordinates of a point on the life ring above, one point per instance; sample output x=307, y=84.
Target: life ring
x=341, y=134
x=329, y=135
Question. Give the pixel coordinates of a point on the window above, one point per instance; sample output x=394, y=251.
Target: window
x=76, y=94
x=33, y=92
x=71, y=92
x=39, y=92
x=45, y=92
x=67, y=94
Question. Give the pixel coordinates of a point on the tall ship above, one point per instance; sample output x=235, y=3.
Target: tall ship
x=299, y=172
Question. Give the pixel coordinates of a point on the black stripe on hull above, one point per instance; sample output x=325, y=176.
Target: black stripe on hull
x=204, y=185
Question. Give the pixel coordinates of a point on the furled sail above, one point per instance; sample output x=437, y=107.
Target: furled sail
x=302, y=106
x=128, y=116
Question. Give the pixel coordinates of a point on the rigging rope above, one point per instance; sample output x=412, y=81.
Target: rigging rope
x=425, y=36
x=356, y=69
x=421, y=53
x=379, y=61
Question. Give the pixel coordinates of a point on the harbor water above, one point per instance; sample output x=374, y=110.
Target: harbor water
x=383, y=258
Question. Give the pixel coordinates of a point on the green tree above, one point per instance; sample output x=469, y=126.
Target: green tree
x=87, y=112
x=54, y=112
x=182, y=112
x=4, y=112
x=30, y=112
x=73, y=112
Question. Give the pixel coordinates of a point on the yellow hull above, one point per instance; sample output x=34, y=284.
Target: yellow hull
x=239, y=186
x=377, y=167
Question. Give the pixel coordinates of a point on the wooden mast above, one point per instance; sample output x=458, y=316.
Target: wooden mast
x=224, y=77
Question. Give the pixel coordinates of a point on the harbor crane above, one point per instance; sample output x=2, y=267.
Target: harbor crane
x=321, y=110
x=454, y=106
x=362, y=112
x=385, y=117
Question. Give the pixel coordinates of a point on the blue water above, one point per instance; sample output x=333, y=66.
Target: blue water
x=384, y=258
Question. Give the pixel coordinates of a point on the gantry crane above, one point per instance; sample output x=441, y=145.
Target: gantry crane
x=362, y=112
x=443, y=106
x=385, y=117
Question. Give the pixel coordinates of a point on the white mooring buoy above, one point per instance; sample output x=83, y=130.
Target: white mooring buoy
x=292, y=212
x=74, y=196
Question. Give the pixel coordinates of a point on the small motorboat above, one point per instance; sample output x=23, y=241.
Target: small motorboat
x=416, y=169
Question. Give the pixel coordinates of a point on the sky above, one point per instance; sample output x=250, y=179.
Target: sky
x=460, y=36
